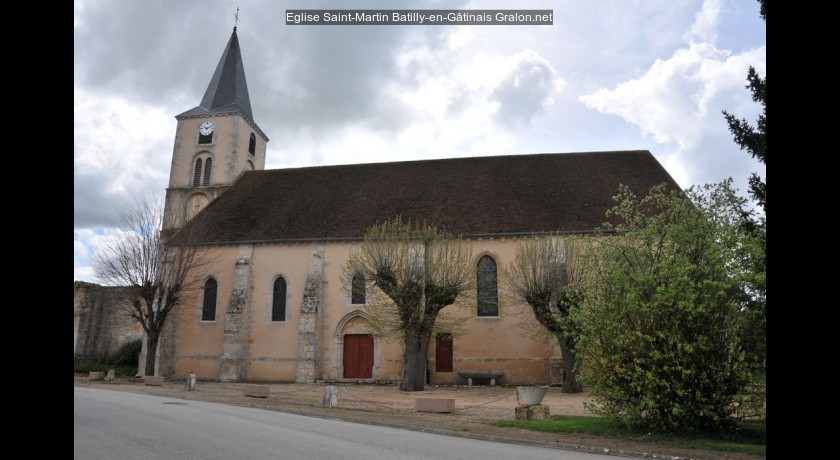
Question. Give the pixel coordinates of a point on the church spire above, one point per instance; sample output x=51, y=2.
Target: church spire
x=228, y=88
x=227, y=91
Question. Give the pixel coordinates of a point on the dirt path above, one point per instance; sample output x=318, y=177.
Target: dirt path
x=475, y=408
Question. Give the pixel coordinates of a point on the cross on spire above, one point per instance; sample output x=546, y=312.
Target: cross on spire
x=236, y=18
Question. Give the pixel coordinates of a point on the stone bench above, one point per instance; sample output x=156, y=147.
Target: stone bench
x=441, y=405
x=255, y=391
x=155, y=380
x=481, y=375
x=93, y=375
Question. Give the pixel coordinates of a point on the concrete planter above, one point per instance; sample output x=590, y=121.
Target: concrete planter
x=531, y=396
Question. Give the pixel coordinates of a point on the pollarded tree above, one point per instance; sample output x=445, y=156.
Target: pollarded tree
x=545, y=275
x=664, y=326
x=412, y=272
x=158, y=273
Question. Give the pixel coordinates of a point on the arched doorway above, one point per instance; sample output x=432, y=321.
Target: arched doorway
x=357, y=351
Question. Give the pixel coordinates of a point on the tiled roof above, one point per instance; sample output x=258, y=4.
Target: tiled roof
x=516, y=194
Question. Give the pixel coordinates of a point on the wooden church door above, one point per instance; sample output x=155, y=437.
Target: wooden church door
x=358, y=356
x=443, y=353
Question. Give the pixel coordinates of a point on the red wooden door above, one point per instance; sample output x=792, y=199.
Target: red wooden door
x=358, y=356
x=443, y=353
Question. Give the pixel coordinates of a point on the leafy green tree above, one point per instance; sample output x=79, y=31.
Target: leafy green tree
x=545, y=275
x=668, y=294
x=754, y=139
x=412, y=272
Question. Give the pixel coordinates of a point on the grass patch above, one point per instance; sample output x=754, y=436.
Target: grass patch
x=750, y=437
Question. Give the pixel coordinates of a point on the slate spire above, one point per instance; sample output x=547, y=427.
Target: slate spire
x=228, y=90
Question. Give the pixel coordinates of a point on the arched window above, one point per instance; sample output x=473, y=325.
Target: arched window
x=357, y=290
x=197, y=173
x=208, y=311
x=252, y=144
x=487, y=287
x=278, y=304
x=208, y=166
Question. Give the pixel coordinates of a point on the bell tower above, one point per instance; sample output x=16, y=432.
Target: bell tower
x=215, y=142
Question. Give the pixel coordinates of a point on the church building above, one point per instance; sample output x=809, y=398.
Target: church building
x=272, y=306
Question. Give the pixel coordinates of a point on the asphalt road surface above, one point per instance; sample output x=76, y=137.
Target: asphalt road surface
x=111, y=424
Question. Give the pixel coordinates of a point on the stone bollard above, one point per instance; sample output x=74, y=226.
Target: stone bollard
x=110, y=376
x=190, y=382
x=330, y=396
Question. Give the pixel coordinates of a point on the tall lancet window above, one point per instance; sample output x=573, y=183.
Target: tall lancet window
x=487, y=287
x=197, y=173
x=208, y=166
x=208, y=307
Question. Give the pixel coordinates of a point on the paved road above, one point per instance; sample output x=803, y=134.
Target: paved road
x=111, y=424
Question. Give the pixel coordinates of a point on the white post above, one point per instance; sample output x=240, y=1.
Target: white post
x=330, y=396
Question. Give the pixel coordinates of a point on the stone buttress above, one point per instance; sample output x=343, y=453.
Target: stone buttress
x=309, y=353
x=235, y=350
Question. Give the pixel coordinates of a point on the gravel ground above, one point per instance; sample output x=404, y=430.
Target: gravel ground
x=475, y=408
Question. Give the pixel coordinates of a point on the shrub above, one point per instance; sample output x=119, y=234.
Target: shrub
x=666, y=302
x=128, y=354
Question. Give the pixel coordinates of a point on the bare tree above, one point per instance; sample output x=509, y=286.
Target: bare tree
x=157, y=271
x=412, y=272
x=545, y=275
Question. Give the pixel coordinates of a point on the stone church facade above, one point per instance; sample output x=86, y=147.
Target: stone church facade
x=272, y=306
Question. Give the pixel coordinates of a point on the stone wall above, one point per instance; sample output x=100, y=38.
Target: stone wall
x=100, y=323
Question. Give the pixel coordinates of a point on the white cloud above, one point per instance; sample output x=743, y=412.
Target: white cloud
x=705, y=24
x=528, y=89
x=678, y=102
x=448, y=100
x=672, y=99
x=110, y=132
x=120, y=148
x=86, y=243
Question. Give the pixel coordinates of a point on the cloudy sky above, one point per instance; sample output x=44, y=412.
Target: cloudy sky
x=608, y=75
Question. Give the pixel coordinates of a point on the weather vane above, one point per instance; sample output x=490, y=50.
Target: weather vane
x=236, y=17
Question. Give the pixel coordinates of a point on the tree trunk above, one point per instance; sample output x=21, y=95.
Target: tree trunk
x=151, y=353
x=414, y=360
x=570, y=361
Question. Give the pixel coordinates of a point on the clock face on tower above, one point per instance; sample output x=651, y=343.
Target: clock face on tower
x=206, y=128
